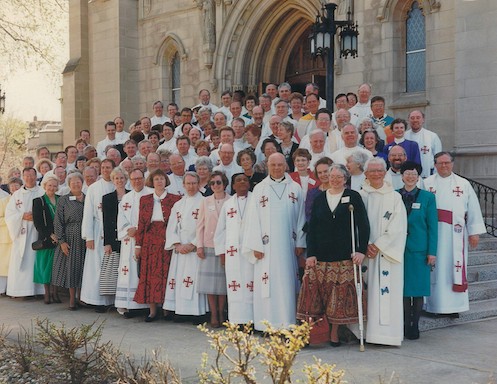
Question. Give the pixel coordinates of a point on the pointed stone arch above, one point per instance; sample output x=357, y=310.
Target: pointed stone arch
x=168, y=48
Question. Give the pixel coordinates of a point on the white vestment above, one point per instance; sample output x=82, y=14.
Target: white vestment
x=168, y=146
x=92, y=229
x=459, y=216
x=181, y=293
x=231, y=228
x=127, y=279
x=101, y=145
x=23, y=233
x=340, y=156
x=176, y=187
x=360, y=111
x=385, y=277
x=429, y=145
x=275, y=219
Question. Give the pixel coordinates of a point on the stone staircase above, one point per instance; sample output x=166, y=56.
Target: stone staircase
x=482, y=278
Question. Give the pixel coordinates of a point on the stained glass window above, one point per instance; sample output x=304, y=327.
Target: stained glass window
x=176, y=79
x=415, y=50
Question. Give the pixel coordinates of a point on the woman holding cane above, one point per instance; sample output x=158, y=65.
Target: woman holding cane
x=330, y=261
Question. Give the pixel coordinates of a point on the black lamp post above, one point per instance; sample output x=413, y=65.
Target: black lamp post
x=2, y=101
x=323, y=43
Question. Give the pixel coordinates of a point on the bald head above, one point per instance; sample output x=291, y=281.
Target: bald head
x=276, y=165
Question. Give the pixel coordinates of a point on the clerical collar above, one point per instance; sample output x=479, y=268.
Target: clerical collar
x=398, y=141
x=277, y=180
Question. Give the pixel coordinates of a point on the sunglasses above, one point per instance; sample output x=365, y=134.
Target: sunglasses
x=214, y=182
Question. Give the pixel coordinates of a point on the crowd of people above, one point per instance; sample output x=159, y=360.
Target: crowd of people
x=256, y=210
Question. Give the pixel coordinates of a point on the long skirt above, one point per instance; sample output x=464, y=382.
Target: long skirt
x=109, y=273
x=211, y=276
x=154, y=265
x=329, y=289
x=43, y=266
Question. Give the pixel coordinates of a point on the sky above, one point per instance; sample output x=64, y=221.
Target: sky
x=31, y=93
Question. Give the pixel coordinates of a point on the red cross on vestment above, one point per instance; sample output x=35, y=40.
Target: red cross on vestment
x=232, y=250
x=126, y=240
x=188, y=281
x=195, y=214
x=425, y=150
x=458, y=266
x=250, y=286
x=265, y=278
x=125, y=270
x=263, y=201
x=292, y=197
x=127, y=206
x=172, y=283
x=458, y=191
x=231, y=212
x=18, y=203
x=234, y=285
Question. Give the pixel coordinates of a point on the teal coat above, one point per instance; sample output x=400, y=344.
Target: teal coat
x=422, y=238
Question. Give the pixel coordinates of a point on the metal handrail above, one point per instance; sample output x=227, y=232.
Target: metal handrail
x=486, y=196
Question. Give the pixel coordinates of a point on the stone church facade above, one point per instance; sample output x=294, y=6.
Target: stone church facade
x=126, y=54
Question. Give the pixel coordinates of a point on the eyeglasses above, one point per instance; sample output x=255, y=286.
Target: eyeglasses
x=444, y=163
x=215, y=182
x=411, y=173
x=336, y=177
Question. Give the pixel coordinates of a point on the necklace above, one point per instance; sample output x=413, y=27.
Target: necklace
x=276, y=193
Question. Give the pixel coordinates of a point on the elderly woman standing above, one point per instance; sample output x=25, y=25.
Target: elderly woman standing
x=355, y=166
x=112, y=245
x=246, y=159
x=203, y=167
x=328, y=286
x=43, y=220
x=211, y=277
x=150, y=238
x=421, y=246
x=69, y=258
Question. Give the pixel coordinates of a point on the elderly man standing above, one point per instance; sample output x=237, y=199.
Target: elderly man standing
x=349, y=137
x=19, y=220
x=459, y=222
x=275, y=218
x=228, y=165
x=177, y=165
x=363, y=107
x=385, y=279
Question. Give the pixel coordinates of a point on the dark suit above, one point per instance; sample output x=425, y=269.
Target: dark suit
x=41, y=210
x=110, y=207
x=329, y=236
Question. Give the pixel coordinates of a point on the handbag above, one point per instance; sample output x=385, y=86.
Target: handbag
x=320, y=328
x=45, y=243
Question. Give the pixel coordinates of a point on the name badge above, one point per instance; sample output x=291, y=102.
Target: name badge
x=211, y=208
x=72, y=198
x=345, y=199
x=416, y=205
x=312, y=181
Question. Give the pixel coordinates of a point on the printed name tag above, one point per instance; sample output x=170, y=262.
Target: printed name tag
x=312, y=181
x=72, y=198
x=416, y=205
x=345, y=199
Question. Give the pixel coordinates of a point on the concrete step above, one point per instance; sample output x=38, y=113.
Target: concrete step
x=478, y=310
x=482, y=272
x=487, y=243
x=483, y=290
x=482, y=257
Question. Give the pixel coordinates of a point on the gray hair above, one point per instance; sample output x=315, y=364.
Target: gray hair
x=193, y=174
x=205, y=109
x=340, y=167
x=376, y=160
x=204, y=161
x=72, y=175
x=288, y=126
x=285, y=85
x=359, y=158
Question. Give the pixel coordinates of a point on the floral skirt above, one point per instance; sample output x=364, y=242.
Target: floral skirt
x=328, y=289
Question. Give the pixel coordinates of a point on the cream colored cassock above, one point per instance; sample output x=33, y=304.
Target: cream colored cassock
x=5, y=242
x=459, y=215
x=23, y=234
x=275, y=221
x=127, y=279
x=92, y=229
x=385, y=276
x=181, y=294
x=228, y=239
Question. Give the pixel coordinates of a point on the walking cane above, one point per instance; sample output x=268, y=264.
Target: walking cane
x=358, y=284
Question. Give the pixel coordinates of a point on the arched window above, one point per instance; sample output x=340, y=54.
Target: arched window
x=176, y=78
x=415, y=49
